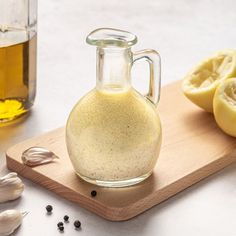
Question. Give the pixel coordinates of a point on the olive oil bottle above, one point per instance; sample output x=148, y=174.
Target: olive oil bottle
x=18, y=44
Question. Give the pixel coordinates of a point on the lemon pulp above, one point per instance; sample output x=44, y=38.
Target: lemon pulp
x=230, y=94
x=225, y=106
x=200, y=84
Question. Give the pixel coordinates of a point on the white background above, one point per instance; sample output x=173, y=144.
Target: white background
x=184, y=32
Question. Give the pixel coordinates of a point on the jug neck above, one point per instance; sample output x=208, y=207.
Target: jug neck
x=113, y=69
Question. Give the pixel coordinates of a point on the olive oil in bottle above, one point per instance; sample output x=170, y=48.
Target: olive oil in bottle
x=17, y=76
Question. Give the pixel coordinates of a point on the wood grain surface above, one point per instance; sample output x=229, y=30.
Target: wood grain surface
x=193, y=148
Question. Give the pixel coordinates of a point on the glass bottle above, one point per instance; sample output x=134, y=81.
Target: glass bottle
x=113, y=133
x=18, y=38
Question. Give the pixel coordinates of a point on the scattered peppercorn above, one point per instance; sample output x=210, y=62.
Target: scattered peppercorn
x=49, y=208
x=60, y=224
x=94, y=193
x=77, y=224
x=61, y=228
x=66, y=218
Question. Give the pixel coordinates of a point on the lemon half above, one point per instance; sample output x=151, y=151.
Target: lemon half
x=200, y=84
x=224, y=104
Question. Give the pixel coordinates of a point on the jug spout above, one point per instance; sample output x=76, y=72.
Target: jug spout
x=108, y=37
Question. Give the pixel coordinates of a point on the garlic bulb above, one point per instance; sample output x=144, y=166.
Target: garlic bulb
x=35, y=156
x=9, y=221
x=11, y=187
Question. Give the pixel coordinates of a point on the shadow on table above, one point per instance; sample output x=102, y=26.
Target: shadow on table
x=12, y=128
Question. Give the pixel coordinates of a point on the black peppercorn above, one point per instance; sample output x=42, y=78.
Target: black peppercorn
x=61, y=228
x=93, y=193
x=66, y=218
x=77, y=224
x=49, y=208
x=60, y=224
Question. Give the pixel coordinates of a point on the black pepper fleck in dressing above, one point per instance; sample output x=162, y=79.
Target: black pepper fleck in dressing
x=94, y=193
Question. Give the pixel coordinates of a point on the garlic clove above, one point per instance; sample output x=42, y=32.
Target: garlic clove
x=11, y=187
x=35, y=156
x=10, y=220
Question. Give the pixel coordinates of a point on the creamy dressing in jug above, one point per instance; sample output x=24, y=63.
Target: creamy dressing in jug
x=114, y=135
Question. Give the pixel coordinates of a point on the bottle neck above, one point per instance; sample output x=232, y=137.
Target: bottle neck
x=113, y=69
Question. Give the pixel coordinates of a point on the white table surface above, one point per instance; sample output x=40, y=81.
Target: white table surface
x=183, y=32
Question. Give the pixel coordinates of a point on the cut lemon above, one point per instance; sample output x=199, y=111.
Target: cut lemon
x=200, y=84
x=224, y=104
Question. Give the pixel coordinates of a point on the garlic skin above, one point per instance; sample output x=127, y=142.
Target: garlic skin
x=35, y=156
x=10, y=220
x=11, y=187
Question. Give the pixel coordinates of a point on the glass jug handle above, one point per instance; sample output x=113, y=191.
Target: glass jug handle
x=154, y=60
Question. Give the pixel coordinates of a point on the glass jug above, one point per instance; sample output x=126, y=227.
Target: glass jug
x=18, y=39
x=113, y=133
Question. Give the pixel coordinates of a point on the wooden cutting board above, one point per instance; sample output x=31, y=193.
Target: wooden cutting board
x=193, y=148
